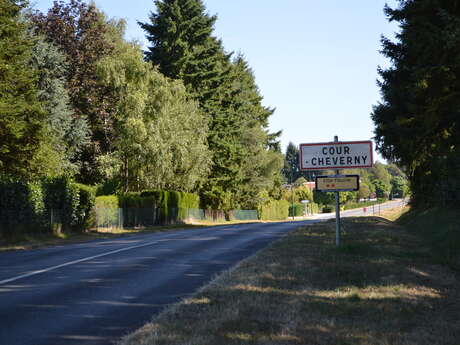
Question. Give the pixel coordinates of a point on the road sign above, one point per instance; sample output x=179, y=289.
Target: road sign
x=337, y=183
x=336, y=155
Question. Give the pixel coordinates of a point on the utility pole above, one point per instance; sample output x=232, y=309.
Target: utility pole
x=337, y=207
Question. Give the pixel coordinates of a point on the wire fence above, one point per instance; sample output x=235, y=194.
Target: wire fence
x=119, y=218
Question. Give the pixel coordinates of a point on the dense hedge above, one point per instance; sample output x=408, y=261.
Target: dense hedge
x=107, y=201
x=22, y=208
x=41, y=205
x=155, y=206
x=173, y=200
x=296, y=210
x=274, y=210
x=85, y=209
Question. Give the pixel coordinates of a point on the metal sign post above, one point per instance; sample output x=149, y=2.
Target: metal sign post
x=334, y=156
x=337, y=208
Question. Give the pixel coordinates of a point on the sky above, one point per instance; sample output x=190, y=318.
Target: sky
x=314, y=61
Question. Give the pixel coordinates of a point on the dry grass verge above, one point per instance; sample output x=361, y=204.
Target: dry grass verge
x=32, y=241
x=379, y=288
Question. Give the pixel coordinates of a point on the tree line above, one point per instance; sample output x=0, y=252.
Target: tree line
x=79, y=100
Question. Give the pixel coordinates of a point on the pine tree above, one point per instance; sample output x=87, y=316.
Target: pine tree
x=182, y=45
x=417, y=122
x=21, y=116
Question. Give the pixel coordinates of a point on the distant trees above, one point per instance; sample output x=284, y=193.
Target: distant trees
x=291, y=169
x=417, y=122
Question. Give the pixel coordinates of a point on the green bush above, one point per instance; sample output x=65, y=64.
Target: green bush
x=274, y=210
x=22, y=208
x=190, y=201
x=328, y=209
x=313, y=207
x=296, y=210
x=85, y=209
x=109, y=187
x=107, y=211
x=62, y=199
x=43, y=206
x=107, y=201
x=130, y=200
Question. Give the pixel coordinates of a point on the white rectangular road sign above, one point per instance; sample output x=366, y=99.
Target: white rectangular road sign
x=336, y=155
x=338, y=183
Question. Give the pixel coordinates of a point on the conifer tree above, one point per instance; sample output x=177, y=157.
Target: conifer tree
x=182, y=46
x=417, y=122
x=21, y=115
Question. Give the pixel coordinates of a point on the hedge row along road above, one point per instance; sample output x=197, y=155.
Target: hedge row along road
x=96, y=292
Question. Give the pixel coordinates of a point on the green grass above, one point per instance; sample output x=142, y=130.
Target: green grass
x=440, y=231
x=380, y=288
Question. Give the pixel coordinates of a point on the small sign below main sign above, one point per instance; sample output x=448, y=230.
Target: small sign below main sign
x=336, y=155
x=338, y=183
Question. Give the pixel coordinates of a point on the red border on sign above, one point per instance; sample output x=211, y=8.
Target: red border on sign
x=337, y=143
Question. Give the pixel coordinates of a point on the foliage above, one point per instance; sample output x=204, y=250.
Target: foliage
x=81, y=32
x=259, y=169
x=382, y=190
x=61, y=196
x=296, y=210
x=417, y=121
x=21, y=120
x=36, y=206
x=291, y=170
x=107, y=201
x=21, y=207
x=161, y=134
x=86, y=203
x=66, y=134
x=399, y=187
x=297, y=194
x=274, y=210
x=245, y=162
x=182, y=45
x=364, y=191
x=328, y=198
x=327, y=209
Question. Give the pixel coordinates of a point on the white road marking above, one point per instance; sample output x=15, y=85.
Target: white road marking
x=33, y=273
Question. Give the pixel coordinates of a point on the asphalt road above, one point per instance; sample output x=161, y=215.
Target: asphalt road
x=95, y=292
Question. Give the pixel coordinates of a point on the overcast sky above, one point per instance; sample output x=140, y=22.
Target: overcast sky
x=314, y=61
